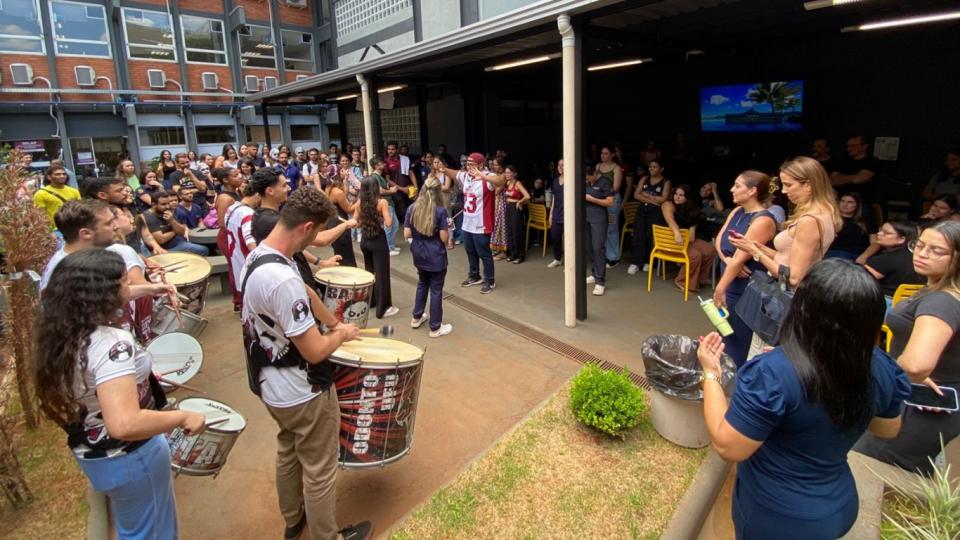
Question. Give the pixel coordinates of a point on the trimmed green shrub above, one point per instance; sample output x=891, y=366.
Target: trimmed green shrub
x=605, y=400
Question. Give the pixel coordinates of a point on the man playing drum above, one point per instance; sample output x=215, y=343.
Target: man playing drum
x=287, y=367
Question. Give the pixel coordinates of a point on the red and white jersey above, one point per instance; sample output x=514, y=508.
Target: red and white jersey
x=239, y=225
x=478, y=204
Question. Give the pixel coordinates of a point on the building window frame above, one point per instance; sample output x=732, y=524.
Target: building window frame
x=273, y=56
x=231, y=139
x=57, y=40
x=294, y=61
x=38, y=38
x=188, y=50
x=126, y=37
x=164, y=132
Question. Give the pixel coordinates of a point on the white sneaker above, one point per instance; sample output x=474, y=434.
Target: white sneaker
x=646, y=268
x=390, y=312
x=591, y=280
x=394, y=253
x=442, y=331
x=417, y=323
x=633, y=269
x=554, y=263
x=598, y=290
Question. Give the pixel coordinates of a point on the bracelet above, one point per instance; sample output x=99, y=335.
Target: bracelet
x=710, y=376
x=757, y=254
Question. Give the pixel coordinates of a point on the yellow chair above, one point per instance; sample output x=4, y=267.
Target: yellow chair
x=629, y=216
x=537, y=220
x=666, y=248
x=903, y=292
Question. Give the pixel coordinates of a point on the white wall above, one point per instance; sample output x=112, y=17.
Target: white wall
x=492, y=8
x=439, y=17
x=445, y=124
x=390, y=45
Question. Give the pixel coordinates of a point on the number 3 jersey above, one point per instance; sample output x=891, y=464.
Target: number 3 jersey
x=478, y=204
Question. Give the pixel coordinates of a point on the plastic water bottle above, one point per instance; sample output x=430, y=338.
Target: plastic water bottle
x=717, y=315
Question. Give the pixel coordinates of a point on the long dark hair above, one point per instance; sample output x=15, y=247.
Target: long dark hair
x=83, y=293
x=371, y=223
x=829, y=336
x=689, y=211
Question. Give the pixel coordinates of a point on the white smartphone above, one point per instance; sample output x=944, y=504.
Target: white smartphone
x=922, y=395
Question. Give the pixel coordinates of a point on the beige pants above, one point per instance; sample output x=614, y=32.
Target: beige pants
x=757, y=346
x=307, y=452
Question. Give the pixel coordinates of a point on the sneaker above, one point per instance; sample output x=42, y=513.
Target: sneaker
x=613, y=264
x=633, y=269
x=442, y=331
x=457, y=242
x=292, y=533
x=646, y=268
x=417, y=323
x=390, y=312
x=394, y=253
x=470, y=282
x=488, y=288
x=598, y=290
x=591, y=280
x=555, y=263
x=360, y=531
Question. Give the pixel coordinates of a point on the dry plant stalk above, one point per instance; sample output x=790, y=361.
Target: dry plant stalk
x=12, y=481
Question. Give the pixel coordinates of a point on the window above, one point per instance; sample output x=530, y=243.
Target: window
x=305, y=133
x=256, y=134
x=162, y=136
x=20, y=30
x=256, y=47
x=297, y=51
x=149, y=34
x=80, y=29
x=215, y=134
x=203, y=40
x=355, y=15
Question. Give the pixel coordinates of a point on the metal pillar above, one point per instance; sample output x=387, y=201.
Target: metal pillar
x=367, y=114
x=574, y=287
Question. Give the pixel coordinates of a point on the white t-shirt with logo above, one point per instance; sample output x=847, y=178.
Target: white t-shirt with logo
x=477, y=204
x=276, y=304
x=239, y=226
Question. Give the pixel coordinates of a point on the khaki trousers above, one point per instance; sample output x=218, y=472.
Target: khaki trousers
x=307, y=453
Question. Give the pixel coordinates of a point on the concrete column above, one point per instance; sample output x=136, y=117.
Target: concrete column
x=367, y=114
x=571, y=168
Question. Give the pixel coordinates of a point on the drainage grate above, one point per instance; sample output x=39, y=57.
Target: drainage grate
x=524, y=331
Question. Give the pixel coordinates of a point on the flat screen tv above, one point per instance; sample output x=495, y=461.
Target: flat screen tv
x=752, y=107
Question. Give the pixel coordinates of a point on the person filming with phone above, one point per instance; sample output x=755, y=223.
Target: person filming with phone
x=926, y=346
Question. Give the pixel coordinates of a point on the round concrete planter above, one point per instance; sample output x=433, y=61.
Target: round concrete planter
x=678, y=420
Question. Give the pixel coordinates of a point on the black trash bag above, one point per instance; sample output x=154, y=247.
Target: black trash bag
x=672, y=367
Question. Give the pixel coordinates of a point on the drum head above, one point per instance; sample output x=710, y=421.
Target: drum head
x=344, y=276
x=177, y=357
x=372, y=351
x=187, y=268
x=214, y=410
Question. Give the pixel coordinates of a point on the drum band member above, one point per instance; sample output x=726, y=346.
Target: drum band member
x=239, y=225
x=287, y=367
x=96, y=383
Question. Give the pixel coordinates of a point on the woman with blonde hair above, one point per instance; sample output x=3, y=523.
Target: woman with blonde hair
x=807, y=233
x=451, y=190
x=926, y=346
x=427, y=225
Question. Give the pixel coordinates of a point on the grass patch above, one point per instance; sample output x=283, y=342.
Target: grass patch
x=554, y=478
x=59, y=509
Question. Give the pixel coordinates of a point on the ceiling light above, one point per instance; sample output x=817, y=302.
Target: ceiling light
x=623, y=63
x=525, y=62
x=390, y=88
x=907, y=21
x=819, y=4
x=348, y=96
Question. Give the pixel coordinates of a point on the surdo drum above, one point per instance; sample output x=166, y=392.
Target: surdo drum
x=378, y=383
x=348, y=293
x=177, y=357
x=189, y=273
x=205, y=454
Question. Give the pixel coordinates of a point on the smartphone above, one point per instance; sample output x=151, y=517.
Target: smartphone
x=734, y=234
x=922, y=395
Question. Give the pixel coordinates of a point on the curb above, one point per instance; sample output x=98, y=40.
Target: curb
x=695, y=506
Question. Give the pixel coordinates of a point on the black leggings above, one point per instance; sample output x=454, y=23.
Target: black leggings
x=343, y=245
x=556, y=237
x=516, y=232
x=376, y=259
x=647, y=216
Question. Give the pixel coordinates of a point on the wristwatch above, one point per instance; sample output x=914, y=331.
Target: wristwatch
x=710, y=376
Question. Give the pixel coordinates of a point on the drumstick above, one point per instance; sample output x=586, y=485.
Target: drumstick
x=174, y=302
x=179, y=385
x=220, y=420
x=385, y=331
x=174, y=263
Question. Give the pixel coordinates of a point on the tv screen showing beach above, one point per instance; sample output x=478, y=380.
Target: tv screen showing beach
x=754, y=107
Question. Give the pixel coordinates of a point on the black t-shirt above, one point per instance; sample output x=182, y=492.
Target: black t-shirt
x=601, y=188
x=896, y=265
x=178, y=178
x=867, y=190
x=943, y=306
x=157, y=223
x=851, y=238
x=264, y=220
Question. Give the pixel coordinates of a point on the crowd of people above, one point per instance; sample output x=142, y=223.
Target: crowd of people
x=811, y=228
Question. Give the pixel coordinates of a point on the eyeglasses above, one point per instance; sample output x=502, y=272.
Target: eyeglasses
x=916, y=246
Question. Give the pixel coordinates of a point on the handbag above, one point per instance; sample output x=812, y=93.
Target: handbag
x=765, y=303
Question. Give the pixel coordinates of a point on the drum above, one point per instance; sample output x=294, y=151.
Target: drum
x=165, y=322
x=205, y=454
x=378, y=383
x=177, y=357
x=348, y=294
x=189, y=273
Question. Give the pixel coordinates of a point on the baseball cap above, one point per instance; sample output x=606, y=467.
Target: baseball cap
x=476, y=157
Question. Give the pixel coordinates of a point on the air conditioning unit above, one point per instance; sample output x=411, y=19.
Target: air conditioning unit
x=307, y=38
x=22, y=74
x=157, y=78
x=85, y=76
x=269, y=83
x=296, y=3
x=251, y=83
x=302, y=77
x=210, y=80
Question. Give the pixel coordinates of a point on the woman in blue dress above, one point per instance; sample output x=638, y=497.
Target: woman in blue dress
x=797, y=410
x=750, y=190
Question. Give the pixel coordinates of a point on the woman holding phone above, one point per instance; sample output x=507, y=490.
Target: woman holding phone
x=926, y=345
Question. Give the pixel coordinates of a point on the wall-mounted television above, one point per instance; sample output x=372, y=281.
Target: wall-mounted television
x=752, y=107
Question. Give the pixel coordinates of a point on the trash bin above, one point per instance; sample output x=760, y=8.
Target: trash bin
x=676, y=404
